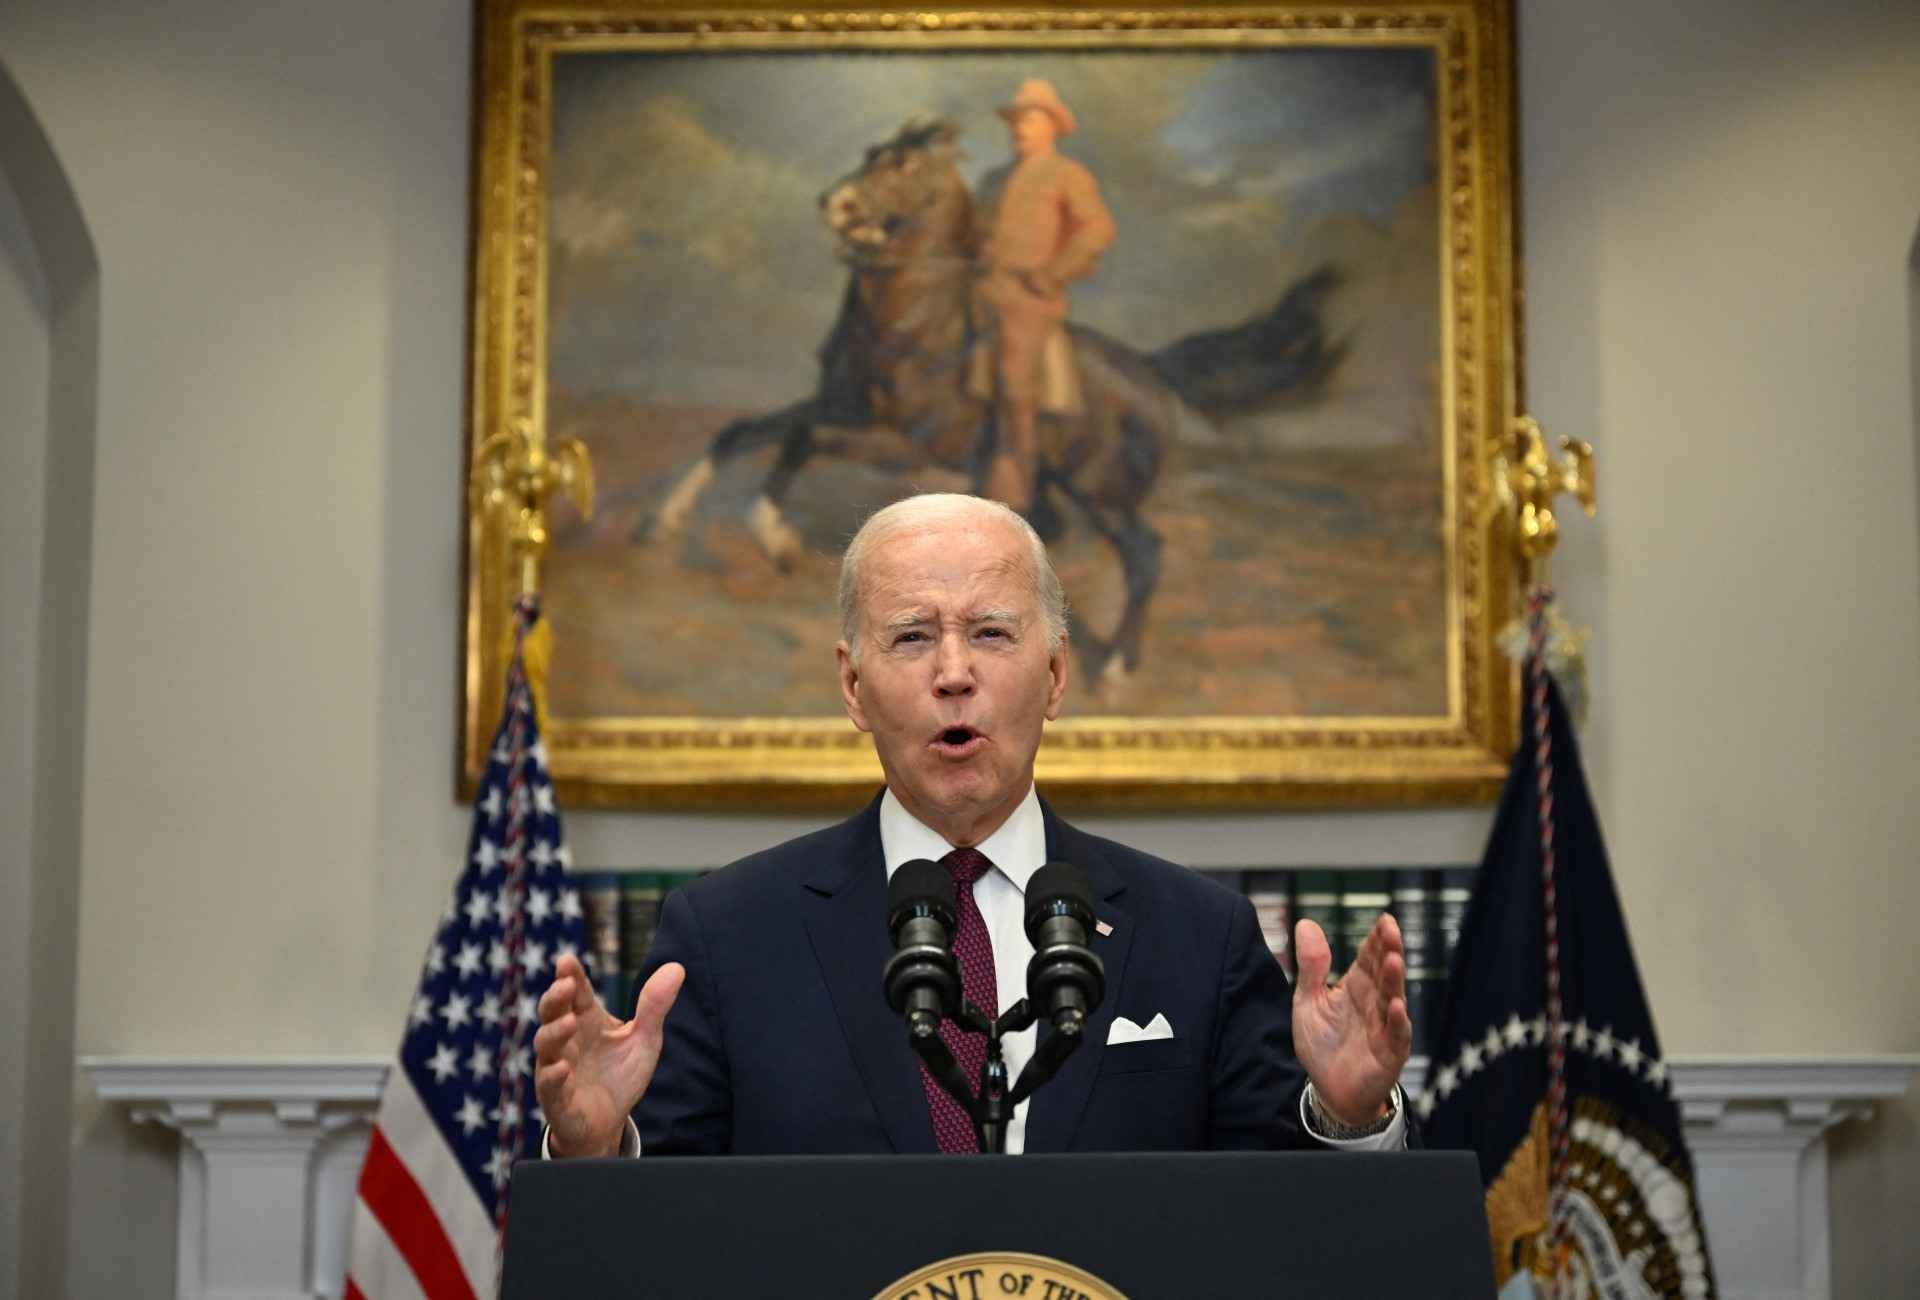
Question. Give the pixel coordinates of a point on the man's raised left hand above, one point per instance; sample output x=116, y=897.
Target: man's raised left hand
x=1353, y=1038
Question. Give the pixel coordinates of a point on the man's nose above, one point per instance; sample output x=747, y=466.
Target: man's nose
x=952, y=667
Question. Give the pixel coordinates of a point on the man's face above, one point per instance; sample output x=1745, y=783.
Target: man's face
x=954, y=681
x=1034, y=131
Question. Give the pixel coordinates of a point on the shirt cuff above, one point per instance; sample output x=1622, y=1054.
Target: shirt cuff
x=629, y=1141
x=1391, y=1138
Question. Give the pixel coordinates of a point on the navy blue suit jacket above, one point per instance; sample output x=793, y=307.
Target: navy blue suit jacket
x=782, y=1041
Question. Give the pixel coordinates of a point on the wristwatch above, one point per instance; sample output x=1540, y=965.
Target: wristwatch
x=1326, y=1126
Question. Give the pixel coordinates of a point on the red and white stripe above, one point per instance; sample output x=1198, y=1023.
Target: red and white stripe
x=419, y=1229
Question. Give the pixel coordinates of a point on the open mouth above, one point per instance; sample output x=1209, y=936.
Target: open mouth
x=958, y=742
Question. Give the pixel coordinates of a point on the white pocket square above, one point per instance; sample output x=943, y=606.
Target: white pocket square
x=1125, y=1031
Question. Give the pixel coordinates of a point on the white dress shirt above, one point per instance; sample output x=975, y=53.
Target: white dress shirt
x=1017, y=850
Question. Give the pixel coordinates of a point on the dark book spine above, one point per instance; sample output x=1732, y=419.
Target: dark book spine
x=1363, y=896
x=1414, y=908
x=641, y=893
x=1454, y=893
x=1316, y=898
x=1271, y=895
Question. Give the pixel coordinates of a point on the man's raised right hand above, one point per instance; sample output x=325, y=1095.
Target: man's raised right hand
x=591, y=1069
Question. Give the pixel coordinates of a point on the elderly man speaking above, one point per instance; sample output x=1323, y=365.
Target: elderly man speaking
x=763, y=1027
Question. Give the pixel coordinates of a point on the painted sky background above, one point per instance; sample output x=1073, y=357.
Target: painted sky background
x=689, y=264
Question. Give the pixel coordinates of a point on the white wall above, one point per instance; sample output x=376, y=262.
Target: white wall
x=1719, y=200
x=1719, y=206
x=1724, y=247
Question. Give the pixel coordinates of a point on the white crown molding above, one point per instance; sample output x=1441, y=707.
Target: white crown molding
x=1714, y=1092
x=358, y=1078
x=216, y=1079
x=1801, y=1091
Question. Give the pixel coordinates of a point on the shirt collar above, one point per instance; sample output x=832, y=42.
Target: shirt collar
x=1017, y=849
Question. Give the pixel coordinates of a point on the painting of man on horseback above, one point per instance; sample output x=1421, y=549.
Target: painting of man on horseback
x=1001, y=329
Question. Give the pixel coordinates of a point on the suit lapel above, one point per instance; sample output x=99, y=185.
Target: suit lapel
x=1054, y=1112
x=844, y=902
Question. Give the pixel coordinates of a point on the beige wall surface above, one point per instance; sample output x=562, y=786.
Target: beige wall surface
x=1719, y=199
x=1719, y=202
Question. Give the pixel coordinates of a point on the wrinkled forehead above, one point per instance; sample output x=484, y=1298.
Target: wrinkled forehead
x=962, y=569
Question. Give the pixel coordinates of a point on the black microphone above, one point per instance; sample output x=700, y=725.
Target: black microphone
x=922, y=978
x=1065, y=979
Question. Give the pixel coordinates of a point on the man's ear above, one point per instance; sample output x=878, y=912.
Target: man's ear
x=1057, y=669
x=850, y=686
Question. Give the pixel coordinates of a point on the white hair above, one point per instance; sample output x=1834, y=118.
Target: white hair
x=915, y=511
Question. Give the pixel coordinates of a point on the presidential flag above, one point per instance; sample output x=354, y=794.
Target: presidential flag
x=459, y=1107
x=1546, y=1063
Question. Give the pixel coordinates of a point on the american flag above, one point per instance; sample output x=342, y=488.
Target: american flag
x=459, y=1106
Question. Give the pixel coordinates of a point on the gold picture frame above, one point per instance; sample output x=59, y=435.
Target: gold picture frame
x=1455, y=750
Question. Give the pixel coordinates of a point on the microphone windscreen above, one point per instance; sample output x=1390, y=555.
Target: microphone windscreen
x=1055, y=887
x=920, y=883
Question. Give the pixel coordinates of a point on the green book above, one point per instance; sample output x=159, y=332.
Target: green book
x=1414, y=891
x=641, y=894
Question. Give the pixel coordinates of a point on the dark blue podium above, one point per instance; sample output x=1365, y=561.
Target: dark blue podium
x=1150, y=1227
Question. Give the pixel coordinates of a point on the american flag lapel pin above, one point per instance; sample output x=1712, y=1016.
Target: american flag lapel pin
x=1102, y=929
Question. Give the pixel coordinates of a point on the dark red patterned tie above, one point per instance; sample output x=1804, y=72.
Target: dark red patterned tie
x=974, y=950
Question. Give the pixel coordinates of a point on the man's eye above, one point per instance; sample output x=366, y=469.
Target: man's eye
x=905, y=637
x=1000, y=632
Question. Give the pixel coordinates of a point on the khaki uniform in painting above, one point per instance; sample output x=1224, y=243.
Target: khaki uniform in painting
x=1043, y=226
